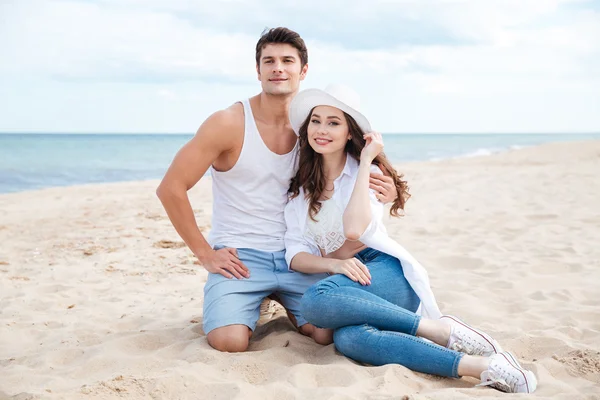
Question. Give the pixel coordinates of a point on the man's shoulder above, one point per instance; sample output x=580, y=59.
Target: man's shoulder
x=229, y=118
x=223, y=128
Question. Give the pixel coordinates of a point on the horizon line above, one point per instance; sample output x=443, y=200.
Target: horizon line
x=383, y=133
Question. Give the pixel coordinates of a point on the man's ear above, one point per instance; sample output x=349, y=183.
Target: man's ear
x=304, y=72
x=258, y=71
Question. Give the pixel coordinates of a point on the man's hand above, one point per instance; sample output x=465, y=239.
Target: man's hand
x=353, y=269
x=384, y=187
x=225, y=262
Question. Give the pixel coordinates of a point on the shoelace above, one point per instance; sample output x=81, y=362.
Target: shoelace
x=504, y=381
x=464, y=344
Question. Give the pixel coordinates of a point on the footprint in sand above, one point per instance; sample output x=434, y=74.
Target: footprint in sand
x=20, y=396
x=584, y=363
x=460, y=262
x=537, y=296
x=542, y=217
x=154, y=217
x=142, y=343
x=168, y=244
x=64, y=357
x=314, y=376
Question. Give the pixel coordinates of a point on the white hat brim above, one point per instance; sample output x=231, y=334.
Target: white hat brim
x=308, y=99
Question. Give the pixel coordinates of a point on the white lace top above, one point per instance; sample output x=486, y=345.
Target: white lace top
x=328, y=231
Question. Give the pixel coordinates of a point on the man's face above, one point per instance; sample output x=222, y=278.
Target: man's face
x=279, y=69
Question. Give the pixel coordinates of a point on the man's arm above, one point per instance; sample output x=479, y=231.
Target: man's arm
x=384, y=187
x=212, y=141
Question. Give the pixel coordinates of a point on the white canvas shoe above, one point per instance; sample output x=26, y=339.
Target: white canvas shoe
x=507, y=375
x=468, y=340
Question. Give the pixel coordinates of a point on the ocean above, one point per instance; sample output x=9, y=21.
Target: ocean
x=35, y=161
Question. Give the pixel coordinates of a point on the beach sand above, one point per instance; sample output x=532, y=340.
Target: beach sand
x=100, y=299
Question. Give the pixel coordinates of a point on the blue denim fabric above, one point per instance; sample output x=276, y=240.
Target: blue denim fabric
x=237, y=301
x=376, y=324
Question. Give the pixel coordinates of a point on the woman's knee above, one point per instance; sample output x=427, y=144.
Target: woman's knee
x=347, y=339
x=311, y=305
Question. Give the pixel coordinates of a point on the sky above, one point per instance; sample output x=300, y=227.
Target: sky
x=140, y=66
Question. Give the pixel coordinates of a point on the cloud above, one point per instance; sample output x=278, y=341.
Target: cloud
x=353, y=24
x=421, y=65
x=81, y=41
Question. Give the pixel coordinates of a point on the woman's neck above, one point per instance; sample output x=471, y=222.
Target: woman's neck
x=333, y=164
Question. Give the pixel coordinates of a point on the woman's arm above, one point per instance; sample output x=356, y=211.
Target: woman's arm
x=357, y=215
x=305, y=257
x=294, y=239
x=311, y=264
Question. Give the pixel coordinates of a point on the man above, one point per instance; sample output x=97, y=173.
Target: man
x=252, y=150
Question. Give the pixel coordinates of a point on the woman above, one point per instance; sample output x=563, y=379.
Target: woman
x=378, y=300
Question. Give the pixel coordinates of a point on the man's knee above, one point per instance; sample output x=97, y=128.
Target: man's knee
x=319, y=335
x=232, y=338
x=323, y=336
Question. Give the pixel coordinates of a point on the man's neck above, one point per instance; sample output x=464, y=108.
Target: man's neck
x=274, y=110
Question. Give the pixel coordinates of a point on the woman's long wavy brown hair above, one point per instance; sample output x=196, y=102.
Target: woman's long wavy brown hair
x=311, y=177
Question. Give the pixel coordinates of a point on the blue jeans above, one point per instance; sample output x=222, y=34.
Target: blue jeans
x=376, y=324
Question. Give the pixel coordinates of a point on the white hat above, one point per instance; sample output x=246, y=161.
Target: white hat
x=334, y=95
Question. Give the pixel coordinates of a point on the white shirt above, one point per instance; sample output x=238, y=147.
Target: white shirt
x=375, y=236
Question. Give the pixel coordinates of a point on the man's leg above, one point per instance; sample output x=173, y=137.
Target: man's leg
x=292, y=286
x=319, y=335
x=232, y=306
x=230, y=338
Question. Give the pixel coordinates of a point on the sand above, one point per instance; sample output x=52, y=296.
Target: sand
x=100, y=299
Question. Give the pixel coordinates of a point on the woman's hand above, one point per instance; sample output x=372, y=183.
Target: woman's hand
x=372, y=148
x=353, y=269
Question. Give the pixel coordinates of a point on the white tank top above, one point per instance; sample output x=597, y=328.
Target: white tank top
x=249, y=199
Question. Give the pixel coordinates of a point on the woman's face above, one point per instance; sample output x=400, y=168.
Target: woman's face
x=327, y=130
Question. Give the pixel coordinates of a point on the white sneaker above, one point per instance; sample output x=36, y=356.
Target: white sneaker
x=506, y=374
x=468, y=340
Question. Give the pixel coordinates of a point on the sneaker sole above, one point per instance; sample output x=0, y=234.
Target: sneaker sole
x=529, y=376
x=495, y=345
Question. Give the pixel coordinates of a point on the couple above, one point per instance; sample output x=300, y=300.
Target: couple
x=298, y=195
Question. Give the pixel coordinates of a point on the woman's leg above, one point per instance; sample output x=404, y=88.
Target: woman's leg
x=389, y=303
x=373, y=346
x=376, y=324
x=387, y=326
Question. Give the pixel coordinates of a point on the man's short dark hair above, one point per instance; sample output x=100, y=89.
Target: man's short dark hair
x=282, y=35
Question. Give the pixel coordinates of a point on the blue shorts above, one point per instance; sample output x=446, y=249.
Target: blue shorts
x=237, y=301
